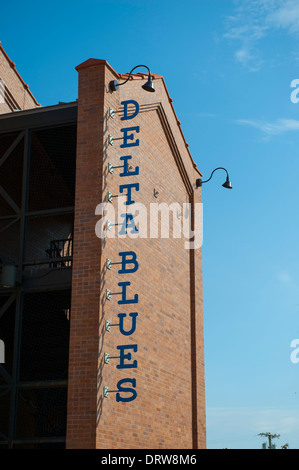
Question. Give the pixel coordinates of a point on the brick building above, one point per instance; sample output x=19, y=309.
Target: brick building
x=103, y=334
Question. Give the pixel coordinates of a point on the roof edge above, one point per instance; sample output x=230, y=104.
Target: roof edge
x=94, y=62
x=12, y=64
x=142, y=75
x=179, y=125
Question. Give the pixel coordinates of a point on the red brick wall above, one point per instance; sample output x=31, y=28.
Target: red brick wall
x=84, y=327
x=17, y=94
x=169, y=410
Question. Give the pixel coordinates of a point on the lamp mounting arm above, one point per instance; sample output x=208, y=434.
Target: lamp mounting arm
x=148, y=86
x=219, y=168
x=133, y=71
x=226, y=185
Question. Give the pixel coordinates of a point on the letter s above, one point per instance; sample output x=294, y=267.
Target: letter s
x=122, y=389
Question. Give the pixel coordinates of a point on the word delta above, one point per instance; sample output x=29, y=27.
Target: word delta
x=129, y=264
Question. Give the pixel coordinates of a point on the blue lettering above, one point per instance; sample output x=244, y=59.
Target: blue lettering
x=124, y=299
x=126, y=114
x=126, y=357
x=131, y=136
x=129, y=193
x=125, y=261
x=125, y=225
x=126, y=390
x=129, y=263
x=121, y=317
x=126, y=171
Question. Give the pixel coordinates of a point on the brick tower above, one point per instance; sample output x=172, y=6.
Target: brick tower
x=136, y=356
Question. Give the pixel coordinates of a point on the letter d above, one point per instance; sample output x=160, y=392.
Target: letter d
x=126, y=113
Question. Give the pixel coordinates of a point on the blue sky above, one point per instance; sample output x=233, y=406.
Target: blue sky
x=228, y=66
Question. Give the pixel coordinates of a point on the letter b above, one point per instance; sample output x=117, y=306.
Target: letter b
x=128, y=257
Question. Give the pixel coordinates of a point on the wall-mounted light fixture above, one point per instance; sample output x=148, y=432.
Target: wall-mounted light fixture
x=226, y=185
x=148, y=86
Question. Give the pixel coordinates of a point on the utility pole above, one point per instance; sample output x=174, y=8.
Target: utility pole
x=270, y=437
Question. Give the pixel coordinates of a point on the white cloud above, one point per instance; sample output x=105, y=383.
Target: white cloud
x=285, y=17
x=279, y=126
x=253, y=20
x=285, y=278
x=245, y=57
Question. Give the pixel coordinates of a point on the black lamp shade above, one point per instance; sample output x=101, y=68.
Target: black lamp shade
x=149, y=85
x=227, y=184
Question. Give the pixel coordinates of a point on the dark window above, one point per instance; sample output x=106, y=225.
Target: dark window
x=45, y=336
x=52, y=174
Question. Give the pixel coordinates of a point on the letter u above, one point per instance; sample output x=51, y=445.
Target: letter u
x=121, y=317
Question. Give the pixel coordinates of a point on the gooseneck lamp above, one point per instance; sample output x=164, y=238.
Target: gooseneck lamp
x=226, y=185
x=148, y=86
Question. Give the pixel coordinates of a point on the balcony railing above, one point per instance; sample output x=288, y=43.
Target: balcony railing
x=61, y=250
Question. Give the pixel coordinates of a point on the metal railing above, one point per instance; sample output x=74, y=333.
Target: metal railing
x=60, y=250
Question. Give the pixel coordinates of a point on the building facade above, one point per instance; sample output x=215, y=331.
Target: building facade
x=100, y=308
x=15, y=94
